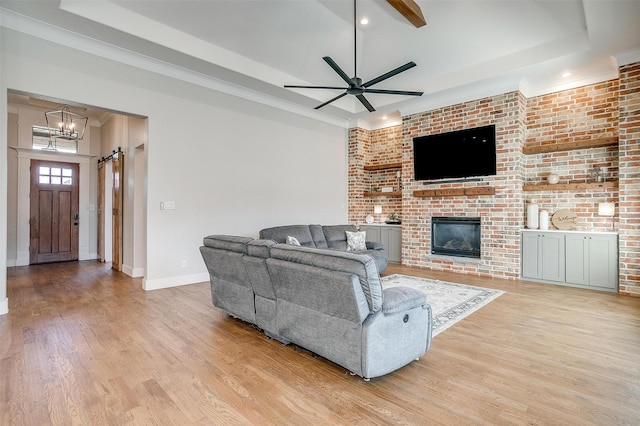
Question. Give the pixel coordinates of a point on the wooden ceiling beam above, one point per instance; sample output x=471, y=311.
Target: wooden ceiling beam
x=410, y=10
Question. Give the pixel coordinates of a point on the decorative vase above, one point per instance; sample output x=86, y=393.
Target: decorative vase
x=553, y=178
x=532, y=216
x=544, y=219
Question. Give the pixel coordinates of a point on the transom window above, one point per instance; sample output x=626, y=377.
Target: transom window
x=55, y=175
x=40, y=140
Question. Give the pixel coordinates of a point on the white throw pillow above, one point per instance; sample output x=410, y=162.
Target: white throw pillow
x=293, y=241
x=356, y=241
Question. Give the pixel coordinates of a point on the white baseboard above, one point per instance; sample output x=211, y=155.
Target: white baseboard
x=133, y=272
x=4, y=306
x=174, y=281
x=11, y=263
x=89, y=256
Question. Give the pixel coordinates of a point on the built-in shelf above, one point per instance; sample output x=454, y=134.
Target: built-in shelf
x=570, y=186
x=569, y=146
x=454, y=192
x=386, y=166
x=383, y=194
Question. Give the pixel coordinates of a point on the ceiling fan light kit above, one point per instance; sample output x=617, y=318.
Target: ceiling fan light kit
x=355, y=86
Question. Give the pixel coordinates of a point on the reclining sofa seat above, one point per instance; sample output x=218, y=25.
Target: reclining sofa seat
x=328, y=301
x=332, y=237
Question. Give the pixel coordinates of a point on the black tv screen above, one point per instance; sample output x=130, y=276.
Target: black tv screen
x=460, y=154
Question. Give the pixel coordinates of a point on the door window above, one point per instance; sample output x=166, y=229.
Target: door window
x=55, y=175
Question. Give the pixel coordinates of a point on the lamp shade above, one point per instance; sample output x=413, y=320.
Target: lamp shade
x=377, y=209
x=606, y=209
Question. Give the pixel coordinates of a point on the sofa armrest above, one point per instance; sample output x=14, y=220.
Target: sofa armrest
x=401, y=299
x=374, y=245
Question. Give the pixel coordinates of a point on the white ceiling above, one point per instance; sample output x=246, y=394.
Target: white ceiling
x=468, y=49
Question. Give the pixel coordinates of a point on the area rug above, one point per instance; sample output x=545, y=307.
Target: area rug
x=449, y=302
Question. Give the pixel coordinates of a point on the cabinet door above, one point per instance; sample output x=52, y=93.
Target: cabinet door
x=373, y=233
x=392, y=241
x=603, y=261
x=577, y=259
x=531, y=255
x=553, y=257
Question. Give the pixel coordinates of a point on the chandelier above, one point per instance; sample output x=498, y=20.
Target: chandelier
x=65, y=124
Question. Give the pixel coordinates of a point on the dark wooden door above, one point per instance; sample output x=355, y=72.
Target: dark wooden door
x=54, y=212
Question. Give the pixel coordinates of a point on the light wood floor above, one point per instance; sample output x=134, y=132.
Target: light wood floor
x=83, y=344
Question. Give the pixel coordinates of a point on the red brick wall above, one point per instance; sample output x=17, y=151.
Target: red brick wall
x=603, y=110
x=583, y=113
x=502, y=214
x=589, y=112
x=378, y=147
x=629, y=171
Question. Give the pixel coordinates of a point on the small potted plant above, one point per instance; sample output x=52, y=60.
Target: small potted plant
x=393, y=219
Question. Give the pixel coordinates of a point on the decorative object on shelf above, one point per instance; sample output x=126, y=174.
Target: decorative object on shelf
x=599, y=174
x=387, y=189
x=553, y=178
x=369, y=219
x=564, y=219
x=377, y=209
x=544, y=219
x=603, y=174
x=532, y=215
x=607, y=209
x=393, y=219
x=65, y=124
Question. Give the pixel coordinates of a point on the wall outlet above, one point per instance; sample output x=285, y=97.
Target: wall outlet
x=167, y=205
x=184, y=263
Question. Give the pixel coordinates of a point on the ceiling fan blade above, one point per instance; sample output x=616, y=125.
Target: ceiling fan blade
x=313, y=87
x=337, y=69
x=365, y=102
x=393, y=92
x=334, y=99
x=385, y=76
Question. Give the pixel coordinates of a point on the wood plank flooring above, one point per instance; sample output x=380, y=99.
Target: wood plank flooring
x=83, y=344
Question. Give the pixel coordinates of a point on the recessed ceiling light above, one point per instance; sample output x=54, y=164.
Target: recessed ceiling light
x=566, y=74
x=364, y=21
x=384, y=117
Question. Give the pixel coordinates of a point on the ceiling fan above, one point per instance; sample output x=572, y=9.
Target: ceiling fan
x=355, y=85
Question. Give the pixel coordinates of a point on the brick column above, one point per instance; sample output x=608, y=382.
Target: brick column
x=629, y=171
x=358, y=142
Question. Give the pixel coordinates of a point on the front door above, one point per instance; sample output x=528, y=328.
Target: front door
x=54, y=212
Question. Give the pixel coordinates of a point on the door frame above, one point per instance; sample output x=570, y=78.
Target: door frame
x=24, y=206
x=63, y=228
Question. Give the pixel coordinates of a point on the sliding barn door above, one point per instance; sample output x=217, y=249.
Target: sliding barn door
x=110, y=210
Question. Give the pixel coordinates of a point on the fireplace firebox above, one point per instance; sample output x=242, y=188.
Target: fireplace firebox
x=455, y=236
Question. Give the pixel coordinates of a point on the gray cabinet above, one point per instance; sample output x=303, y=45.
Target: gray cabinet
x=373, y=233
x=390, y=236
x=587, y=260
x=543, y=256
x=592, y=260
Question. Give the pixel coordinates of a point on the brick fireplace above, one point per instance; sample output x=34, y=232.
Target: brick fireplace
x=456, y=236
x=609, y=109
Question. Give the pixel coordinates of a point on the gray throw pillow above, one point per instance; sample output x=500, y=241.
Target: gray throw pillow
x=356, y=241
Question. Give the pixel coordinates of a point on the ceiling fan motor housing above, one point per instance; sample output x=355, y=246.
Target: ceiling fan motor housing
x=355, y=88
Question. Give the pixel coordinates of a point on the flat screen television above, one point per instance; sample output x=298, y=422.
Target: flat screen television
x=453, y=155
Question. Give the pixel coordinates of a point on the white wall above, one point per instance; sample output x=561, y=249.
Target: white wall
x=230, y=165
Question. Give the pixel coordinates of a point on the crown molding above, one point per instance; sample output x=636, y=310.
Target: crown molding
x=26, y=25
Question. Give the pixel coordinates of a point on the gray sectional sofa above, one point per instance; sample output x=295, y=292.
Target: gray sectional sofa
x=330, y=302
x=332, y=237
